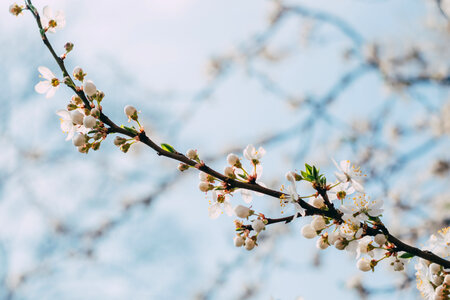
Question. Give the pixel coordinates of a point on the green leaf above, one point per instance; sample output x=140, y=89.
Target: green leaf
x=308, y=169
x=168, y=148
x=132, y=130
x=406, y=255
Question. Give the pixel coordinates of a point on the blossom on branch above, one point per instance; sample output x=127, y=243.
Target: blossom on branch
x=220, y=199
x=51, y=21
x=349, y=173
x=49, y=85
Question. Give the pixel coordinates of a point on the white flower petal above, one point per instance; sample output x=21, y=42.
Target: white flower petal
x=51, y=92
x=228, y=208
x=46, y=73
x=42, y=87
x=214, y=211
x=47, y=12
x=246, y=195
x=345, y=166
x=358, y=186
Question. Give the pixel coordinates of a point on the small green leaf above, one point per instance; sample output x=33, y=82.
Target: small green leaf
x=168, y=148
x=406, y=255
x=308, y=168
x=132, y=130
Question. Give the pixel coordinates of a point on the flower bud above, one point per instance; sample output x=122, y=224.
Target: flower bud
x=447, y=279
x=100, y=95
x=380, y=239
x=258, y=225
x=332, y=237
x=130, y=111
x=364, y=265
x=77, y=117
x=249, y=244
x=89, y=122
x=95, y=112
x=290, y=176
x=437, y=280
x=79, y=140
x=78, y=74
x=317, y=202
x=322, y=244
x=308, y=231
x=242, y=211
x=125, y=147
x=434, y=268
x=98, y=135
x=318, y=223
x=232, y=159
x=192, y=154
x=340, y=244
x=399, y=266
x=89, y=88
x=229, y=172
x=118, y=141
x=96, y=146
x=239, y=241
x=182, y=167
x=205, y=186
x=71, y=107
x=439, y=293
x=68, y=47
x=203, y=176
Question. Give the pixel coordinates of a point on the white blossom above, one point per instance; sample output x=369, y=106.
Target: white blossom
x=308, y=231
x=220, y=201
x=242, y=211
x=380, y=239
x=129, y=111
x=192, y=154
x=322, y=244
x=429, y=275
x=51, y=21
x=254, y=156
x=205, y=186
x=67, y=125
x=232, y=159
x=249, y=244
x=238, y=241
x=49, y=85
x=317, y=202
x=89, y=88
x=79, y=140
x=340, y=191
x=349, y=174
x=258, y=225
x=318, y=223
x=77, y=117
x=89, y=122
x=364, y=265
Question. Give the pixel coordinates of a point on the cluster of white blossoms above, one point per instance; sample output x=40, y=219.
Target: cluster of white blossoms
x=433, y=281
x=221, y=193
x=357, y=210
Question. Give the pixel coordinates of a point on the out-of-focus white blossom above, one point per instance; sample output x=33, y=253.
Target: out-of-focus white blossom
x=308, y=231
x=51, y=21
x=242, y=211
x=364, y=265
